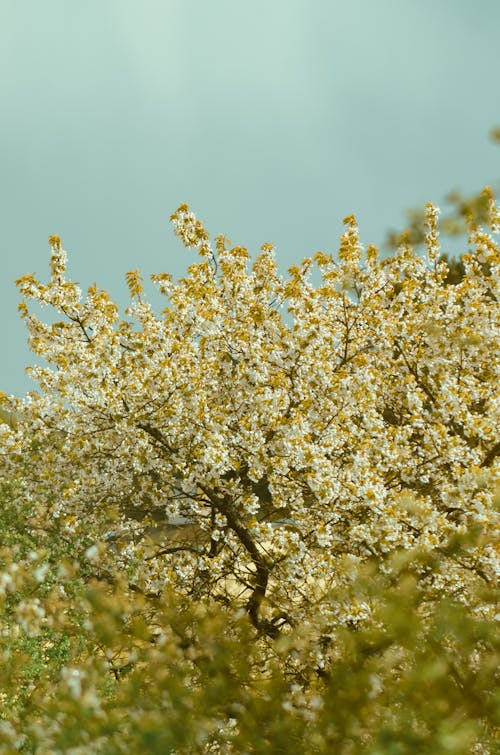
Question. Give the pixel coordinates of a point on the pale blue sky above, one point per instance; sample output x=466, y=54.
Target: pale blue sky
x=272, y=119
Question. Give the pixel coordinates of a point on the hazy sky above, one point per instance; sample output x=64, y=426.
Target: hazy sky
x=273, y=119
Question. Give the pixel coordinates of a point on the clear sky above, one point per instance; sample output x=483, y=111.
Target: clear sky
x=273, y=119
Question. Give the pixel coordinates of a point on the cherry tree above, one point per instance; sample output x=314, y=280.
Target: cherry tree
x=220, y=450
x=283, y=449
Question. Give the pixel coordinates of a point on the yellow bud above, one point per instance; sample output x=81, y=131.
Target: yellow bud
x=55, y=242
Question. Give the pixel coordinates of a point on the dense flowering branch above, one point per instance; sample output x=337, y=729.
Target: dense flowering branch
x=222, y=449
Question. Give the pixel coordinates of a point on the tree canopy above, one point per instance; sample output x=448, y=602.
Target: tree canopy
x=264, y=517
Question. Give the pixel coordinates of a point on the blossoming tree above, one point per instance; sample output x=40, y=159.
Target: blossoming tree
x=262, y=442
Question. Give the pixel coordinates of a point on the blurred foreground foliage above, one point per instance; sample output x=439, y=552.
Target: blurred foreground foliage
x=104, y=669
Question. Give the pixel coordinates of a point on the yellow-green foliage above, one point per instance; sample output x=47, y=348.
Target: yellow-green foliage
x=104, y=669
